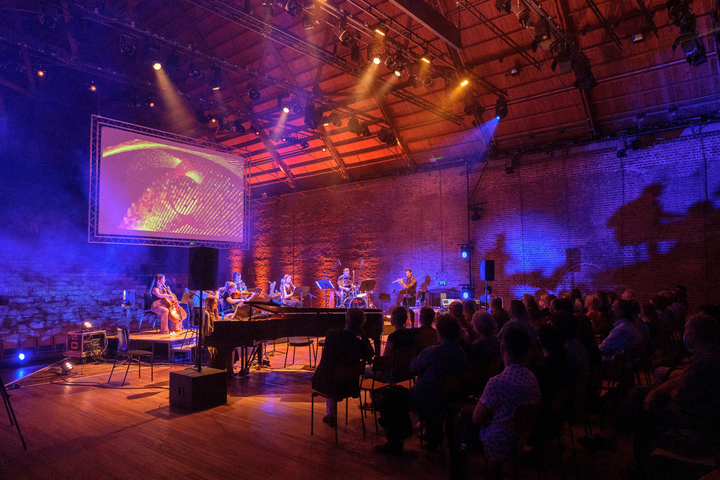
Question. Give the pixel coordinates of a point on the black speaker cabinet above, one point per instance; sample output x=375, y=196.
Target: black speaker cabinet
x=487, y=270
x=203, y=270
x=194, y=391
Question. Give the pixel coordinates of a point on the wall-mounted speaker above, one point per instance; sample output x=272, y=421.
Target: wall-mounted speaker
x=487, y=270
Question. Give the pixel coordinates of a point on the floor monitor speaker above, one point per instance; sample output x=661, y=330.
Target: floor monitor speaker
x=193, y=390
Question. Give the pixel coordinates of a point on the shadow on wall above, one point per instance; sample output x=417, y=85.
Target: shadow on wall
x=658, y=251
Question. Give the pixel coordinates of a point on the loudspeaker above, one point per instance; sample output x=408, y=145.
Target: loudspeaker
x=487, y=270
x=193, y=390
x=203, y=271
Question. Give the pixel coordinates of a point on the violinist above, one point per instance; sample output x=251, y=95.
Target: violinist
x=163, y=301
x=243, y=292
x=231, y=296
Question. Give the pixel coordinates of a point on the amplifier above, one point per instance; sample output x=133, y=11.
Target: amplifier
x=85, y=344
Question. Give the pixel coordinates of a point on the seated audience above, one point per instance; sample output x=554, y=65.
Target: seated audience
x=624, y=334
x=469, y=309
x=532, y=309
x=483, y=354
x=344, y=347
x=544, y=305
x=434, y=366
x=519, y=318
x=402, y=337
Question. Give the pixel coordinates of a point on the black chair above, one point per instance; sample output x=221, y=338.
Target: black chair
x=345, y=375
x=295, y=342
x=147, y=312
x=124, y=352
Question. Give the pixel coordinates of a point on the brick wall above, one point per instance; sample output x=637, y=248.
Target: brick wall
x=589, y=220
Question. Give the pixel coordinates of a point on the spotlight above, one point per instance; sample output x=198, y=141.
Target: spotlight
x=502, y=6
x=254, y=94
x=429, y=82
x=584, y=78
x=399, y=69
x=465, y=294
x=87, y=326
x=464, y=82
x=304, y=144
x=347, y=38
x=217, y=79
x=334, y=118
x=324, y=149
x=543, y=37
x=501, y=108
x=310, y=116
x=514, y=72
x=297, y=107
x=308, y=21
x=41, y=73
x=66, y=368
x=637, y=38
x=390, y=61
x=157, y=65
x=195, y=72
x=472, y=107
x=354, y=126
x=381, y=30
x=286, y=109
x=386, y=136
x=521, y=12
x=376, y=59
x=254, y=130
x=465, y=251
x=468, y=291
x=476, y=214
x=238, y=126
x=293, y=7
x=510, y=165
x=426, y=58
x=621, y=149
x=364, y=130
x=127, y=50
x=21, y=356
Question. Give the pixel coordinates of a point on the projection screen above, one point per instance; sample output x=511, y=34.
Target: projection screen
x=154, y=187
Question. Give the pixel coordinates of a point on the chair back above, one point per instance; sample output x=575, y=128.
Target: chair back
x=123, y=339
x=348, y=379
x=401, y=369
x=383, y=364
x=147, y=301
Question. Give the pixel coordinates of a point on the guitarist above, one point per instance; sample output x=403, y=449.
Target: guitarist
x=165, y=303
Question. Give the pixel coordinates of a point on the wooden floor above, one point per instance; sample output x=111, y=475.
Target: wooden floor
x=77, y=428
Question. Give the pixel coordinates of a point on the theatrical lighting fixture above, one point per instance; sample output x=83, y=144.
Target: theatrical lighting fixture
x=464, y=82
x=286, y=109
x=364, y=130
x=195, y=72
x=381, y=30
x=501, y=108
x=467, y=291
x=297, y=107
x=543, y=37
x=308, y=21
x=386, y=136
x=399, y=67
x=21, y=356
x=514, y=72
x=347, y=38
x=510, y=165
x=293, y=7
x=426, y=58
x=355, y=53
x=476, y=215
x=680, y=15
x=521, y=12
x=311, y=116
x=376, y=59
x=48, y=21
x=390, y=61
x=324, y=149
x=334, y=118
x=354, y=126
x=502, y=6
x=637, y=38
x=217, y=79
x=66, y=368
x=465, y=250
x=429, y=82
x=621, y=149
x=304, y=144
x=127, y=50
x=93, y=88
x=563, y=59
x=238, y=126
x=41, y=73
x=584, y=78
x=254, y=94
x=254, y=130
x=157, y=65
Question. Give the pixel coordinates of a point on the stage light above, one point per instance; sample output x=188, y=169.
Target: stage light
x=503, y=6
x=365, y=130
x=254, y=130
x=297, y=107
x=621, y=149
x=334, y=118
x=381, y=30
x=286, y=109
x=464, y=82
x=510, y=165
x=238, y=126
x=354, y=126
x=87, y=325
x=21, y=356
x=217, y=79
x=157, y=65
x=399, y=69
x=390, y=61
x=426, y=58
x=308, y=21
x=48, y=21
x=195, y=72
x=465, y=251
x=543, y=37
x=254, y=94
x=311, y=116
x=386, y=136
x=151, y=104
x=127, y=50
x=584, y=78
x=476, y=215
x=465, y=294
x=324, y=149
x=514, y=72
x=41, y=73
x=93, y=88
x=637, y=38
x=293, y=7
x=429, y=82
x=521, y=12
x=376, y=59
x=501, y=108
x=66, y=368
x=304, y=144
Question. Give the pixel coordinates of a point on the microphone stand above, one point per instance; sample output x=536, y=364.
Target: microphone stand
x=10, y=411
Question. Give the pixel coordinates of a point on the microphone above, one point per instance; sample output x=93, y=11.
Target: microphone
x=339, y=263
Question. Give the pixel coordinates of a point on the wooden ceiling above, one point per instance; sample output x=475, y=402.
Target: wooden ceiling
x=302, y=54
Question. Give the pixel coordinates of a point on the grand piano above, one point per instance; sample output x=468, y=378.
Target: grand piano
x=270, y=320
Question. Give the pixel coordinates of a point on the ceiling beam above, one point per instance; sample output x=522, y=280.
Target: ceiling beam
x=401, y=143
x=289, y=177
x=593, y=6
x=333, y=152
x=432, y=20
x=648, y=17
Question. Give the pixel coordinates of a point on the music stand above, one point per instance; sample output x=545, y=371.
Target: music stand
x=300, y=292
x=325, y=285
x=10, y=411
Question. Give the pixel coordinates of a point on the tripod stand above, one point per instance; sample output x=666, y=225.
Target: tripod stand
x=10, y=411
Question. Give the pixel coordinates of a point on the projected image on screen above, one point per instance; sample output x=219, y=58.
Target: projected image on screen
x=154, y=187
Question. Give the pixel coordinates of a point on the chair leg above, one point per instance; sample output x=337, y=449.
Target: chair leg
x=294, y=348
x=126, y=371
x=336, y=423
x=362, y=416
x=286, y=355
x=310, y=354
x=312, y=413
x=139, y=362
x=111, y=371
x=152, y=367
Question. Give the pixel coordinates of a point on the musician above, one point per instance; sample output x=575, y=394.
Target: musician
x=409, y=290
x=237, y=280
x=286, y=290
x=162, y=298
x=211, y=315
x=344, y=285
x=231, y=296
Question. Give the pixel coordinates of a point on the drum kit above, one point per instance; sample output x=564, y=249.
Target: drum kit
x=357, y=296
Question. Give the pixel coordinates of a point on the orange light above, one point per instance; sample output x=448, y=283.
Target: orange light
x=464, y=82
x=93, y=88
x=152, y=104
x=425, y=59
x=41, y=73
x=157, y=66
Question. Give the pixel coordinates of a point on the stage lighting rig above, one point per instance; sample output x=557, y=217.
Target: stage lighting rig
x=501, y=108
x=195, y=72
x=308, y=21
x=293, y=7
x=503, y=6
x=521, y=12
x=216, y=81
x=680, y=15
x=354, y=126
x=584, y=78
x=238, y=126
x=334, y=118
x=622, y=149
x=254, y=94
x=465, y=251
x=386, y=136
x=543, y=36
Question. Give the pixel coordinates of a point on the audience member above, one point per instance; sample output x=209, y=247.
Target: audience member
x=483, y=354
x=402, y=337
x=426, y=336
x=519, y=318
x=434, y=366
x=624, y=334
x=469, y=309
x=341, y=347
x=532, y=309
x=500, y=315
